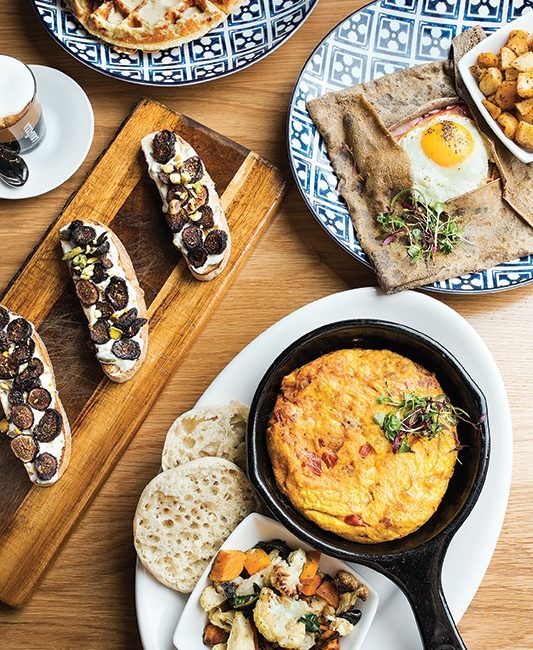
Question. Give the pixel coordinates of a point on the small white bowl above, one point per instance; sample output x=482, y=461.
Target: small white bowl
x=494, y=43
x=256, y=528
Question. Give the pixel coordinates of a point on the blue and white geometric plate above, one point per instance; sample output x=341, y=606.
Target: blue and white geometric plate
x=386, y=36
x=247, y=36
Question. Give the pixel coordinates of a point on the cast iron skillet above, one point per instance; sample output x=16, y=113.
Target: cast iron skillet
x=414, y=563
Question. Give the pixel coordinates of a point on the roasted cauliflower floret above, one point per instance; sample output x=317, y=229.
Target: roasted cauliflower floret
x=211, y=598
x=241, y=636
x=347, y=602
x=261, y=578
x=345, y=582
x=222, y=619
x=317, y=605
x=277, y=618
x=341, y=625
x=285, y=576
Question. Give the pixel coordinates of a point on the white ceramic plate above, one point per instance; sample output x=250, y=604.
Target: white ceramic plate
x=256, y=528
x=494, y=43
x=69, y=120
x=159, y=608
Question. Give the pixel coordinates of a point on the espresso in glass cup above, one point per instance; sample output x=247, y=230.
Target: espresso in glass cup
x=21, y=117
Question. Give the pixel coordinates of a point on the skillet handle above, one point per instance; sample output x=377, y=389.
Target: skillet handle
x=419, y=576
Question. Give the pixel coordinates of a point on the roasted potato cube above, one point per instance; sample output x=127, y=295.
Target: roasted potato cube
x=490, y=81
x=524, y=135
x=525, y=84
x=524, y=106
x=528, y=117
x=518, y=42
x=476, y=71
x=508, y=123
x=488, y=60
x=506, y=96
x=524, y=62
x=507, y=56
x=494, y=110
x=511, y=74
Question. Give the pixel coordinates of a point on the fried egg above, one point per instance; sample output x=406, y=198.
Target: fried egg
x=448, y=155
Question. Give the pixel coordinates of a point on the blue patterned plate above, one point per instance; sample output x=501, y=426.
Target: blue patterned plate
x=383, y=37
x=247, y=36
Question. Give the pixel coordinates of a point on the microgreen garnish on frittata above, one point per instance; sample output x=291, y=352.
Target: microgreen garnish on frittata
x=422, y=227
x=417, y=417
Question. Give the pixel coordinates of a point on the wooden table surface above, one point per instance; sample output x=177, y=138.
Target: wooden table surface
x=86, y=600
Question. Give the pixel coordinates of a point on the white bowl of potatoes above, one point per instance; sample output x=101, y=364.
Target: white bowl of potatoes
x=498, y=73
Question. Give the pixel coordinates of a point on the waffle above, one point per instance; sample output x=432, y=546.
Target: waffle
x=151, y=25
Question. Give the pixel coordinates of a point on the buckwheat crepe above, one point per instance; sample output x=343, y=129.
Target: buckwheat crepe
x=372, y=167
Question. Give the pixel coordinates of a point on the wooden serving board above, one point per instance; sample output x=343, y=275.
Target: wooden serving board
x=104, y=416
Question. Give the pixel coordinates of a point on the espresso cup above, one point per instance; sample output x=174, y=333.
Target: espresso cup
x=21, y=117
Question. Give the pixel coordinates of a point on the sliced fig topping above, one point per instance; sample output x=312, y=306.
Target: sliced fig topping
x=83, y=235
x=105, y=309
x=192, y=237
x=164, y=177
x=19, y=330
x=26, y=383
x=99, y=273
x=75, y=224
x=106, y=262
x=134, y=327
x=65, y=234
x=15, y=396
x=163, y=146
x=207, y=220
x=127, y=318
x=23, y=351
x=177, y=193
x=216, y=242
x=8, y=367
x=198, y=199
x=39, y=399
x=87, y=292
x=24, y=447
x=194, y=168
x=126, y=349
x=4, y=342
x=177, y=221
x=22, y=416
x=45, y=466
x=117, y=293
x=35, y=368
x=197, y=257
x=100, y=332
x=102, y=248
x=49, y=426
x=4, y=317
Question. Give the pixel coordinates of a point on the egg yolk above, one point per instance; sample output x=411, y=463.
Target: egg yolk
x=447, y=143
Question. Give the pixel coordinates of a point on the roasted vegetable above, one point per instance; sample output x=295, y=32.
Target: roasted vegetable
x=227, y=565
x=311, y=565
x=256, y=560
x=285, y=576
x=213, y=635
x=329, y=593
x=310, y=586
x=211, y=598
x=353, y=616
x=278, y=619
x=275, y=544
x=241, y=636
x=345, y=582
x=311, y=623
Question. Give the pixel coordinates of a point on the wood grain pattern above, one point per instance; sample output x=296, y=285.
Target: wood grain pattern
x=86, y=600
x=104, y=416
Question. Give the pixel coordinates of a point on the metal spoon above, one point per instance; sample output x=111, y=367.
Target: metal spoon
x=13, y=169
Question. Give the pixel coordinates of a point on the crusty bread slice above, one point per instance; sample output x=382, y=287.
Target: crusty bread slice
x=207, y=431
x=185, y=514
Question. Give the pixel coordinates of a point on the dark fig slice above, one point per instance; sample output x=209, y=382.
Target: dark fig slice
x=197, y=199
x=126, y=349
x=19, y=330
x=176, y=221
x=100, y=332
x=49, y=426
x=87, y=292
x=197, y=257
x=4, y=342
x=194, y=168
x=127, y=318
x=216, y=242
x=4, y=317
x=207, y=219
x=21, y=416
x=39, y=399
x=106, y=262
x=99, y=273
x=105, y=309
x=163, y=148
x=35, y=368
x=192, y=237
x=102, y=249
x=26, y=383
x=45, y=466
x=134, y=327
x=75, y=224
x=8, y=367
x=24, y=447
x=117, y=293
x=177, y=193
x=23, y=351
x=16, y=396
x=83, y=235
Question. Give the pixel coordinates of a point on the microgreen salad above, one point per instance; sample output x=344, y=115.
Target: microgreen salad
x=273, y=597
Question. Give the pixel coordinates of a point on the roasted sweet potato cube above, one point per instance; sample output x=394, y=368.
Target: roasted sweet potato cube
x=511, y=74
x=524, y=135
x=227, y=565
x=506, y=96
x=524, y=62
x=256, y=560
x=525, y=84
x=213, y=635
x=507, y=56
x=488, y=60
x=508, y=124
x=492, y=108
x=518, y=42
x=490, y=81
x=524, y=106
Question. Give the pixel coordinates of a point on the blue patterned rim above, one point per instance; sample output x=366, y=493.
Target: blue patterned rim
x=250, y=34
x=385, y=36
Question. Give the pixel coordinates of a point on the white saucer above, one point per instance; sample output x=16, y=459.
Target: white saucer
x=69, y=123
